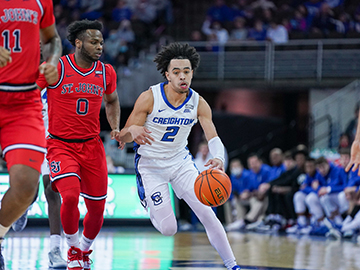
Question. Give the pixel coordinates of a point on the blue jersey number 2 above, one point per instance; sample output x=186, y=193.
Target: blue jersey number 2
x=172, y=133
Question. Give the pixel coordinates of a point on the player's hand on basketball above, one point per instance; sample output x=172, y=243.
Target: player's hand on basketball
x=140, y=135
x=5, y=57
x=354, y=157
x=215, y=163
x=50, y=72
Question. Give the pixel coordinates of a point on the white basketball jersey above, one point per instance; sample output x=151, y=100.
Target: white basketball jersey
x=169, y=126
x=45, y=110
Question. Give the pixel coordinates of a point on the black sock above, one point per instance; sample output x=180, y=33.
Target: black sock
x=355, y=210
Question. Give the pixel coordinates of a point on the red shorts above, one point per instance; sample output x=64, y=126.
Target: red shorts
x=22, y=128
x=86, y=161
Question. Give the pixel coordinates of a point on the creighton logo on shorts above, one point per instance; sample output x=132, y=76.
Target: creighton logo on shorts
x=55, y=166
x=156, y=197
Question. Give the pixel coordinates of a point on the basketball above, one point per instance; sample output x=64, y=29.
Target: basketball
x=212, y=187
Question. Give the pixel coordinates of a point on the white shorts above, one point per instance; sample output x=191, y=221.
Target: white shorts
x=154, y=175
x=45, y=167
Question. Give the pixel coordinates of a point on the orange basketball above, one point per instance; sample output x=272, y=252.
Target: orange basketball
x=212, y=187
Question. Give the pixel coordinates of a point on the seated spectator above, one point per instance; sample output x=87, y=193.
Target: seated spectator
x=215, y=32
x=280, y=192
x=238, y=202
x=277, y=161
x=112, y=48
x=258, y=32
x=91, y=9
x=127, y=38
x=312, y=9
x=306, y=198
x=342, y=23
x=355, y=24
x=239, y=31
x=323, y=22
x=202, y=156
x=352, y=220
x=219, y=12
x=121, y=12
x=335, y=181
x=344, y=141
x=298, y=22
x=238, y=9
x=263, y=4
x=111, y=166
x=334, y=3
x=277, y=33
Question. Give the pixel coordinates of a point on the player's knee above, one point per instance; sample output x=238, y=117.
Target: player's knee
x=70, y=198
x=311, y=199
x=324, y=199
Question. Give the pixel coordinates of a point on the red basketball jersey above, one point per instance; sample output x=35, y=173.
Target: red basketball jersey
x=20, y=24
x=74, y=102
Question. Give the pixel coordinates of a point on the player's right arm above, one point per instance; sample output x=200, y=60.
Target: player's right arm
x=52, y=44
x=134, y=129
x=5, y=57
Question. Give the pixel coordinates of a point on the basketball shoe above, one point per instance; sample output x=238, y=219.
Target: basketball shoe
x=20, y=224
x=236, y=267
x=75, y=259
x=55, y=260
x=87, y=260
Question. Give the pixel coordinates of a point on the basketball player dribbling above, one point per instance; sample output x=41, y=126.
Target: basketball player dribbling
x=159, y=125
x=22, y=134
x=76, y=153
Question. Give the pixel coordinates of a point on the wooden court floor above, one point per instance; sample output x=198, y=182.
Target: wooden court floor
x=139, y=248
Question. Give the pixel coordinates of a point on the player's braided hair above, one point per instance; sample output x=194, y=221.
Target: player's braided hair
x=77, y=29
x=176, y=51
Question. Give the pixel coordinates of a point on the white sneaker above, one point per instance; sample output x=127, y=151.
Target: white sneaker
x=75, y=259
x=306, y=230
x=236, y=225
x=55, y=259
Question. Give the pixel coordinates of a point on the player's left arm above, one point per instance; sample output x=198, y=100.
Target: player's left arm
x=112, y=104
x=216, y=147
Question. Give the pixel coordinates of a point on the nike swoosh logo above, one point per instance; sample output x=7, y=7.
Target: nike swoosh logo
x=70, y=75
x=162, y=110
x=32, y=160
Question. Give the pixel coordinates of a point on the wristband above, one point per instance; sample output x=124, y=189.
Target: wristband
x=216, y=148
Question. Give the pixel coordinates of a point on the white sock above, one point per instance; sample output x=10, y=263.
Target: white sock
x=55, y=240
x=85, y=243
x=72, y=239
x=3, y=231
x=301, y=220
x=353, y=225
x=229, y=264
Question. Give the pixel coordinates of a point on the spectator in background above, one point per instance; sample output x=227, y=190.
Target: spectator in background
x=277, y=33
x=344, y=141
x=355, y=24
x=335, y=182
x=121, y=12
x=280, y=191
x=238, y=204
x=215, y=32
x=239, y=31
x=298, y=22
x=219, y=12
x=342, y=23
x=112, y=48
x=202, y=156
x=312, y=8
x=351, y=127
x=258, y=32
x=323, y=22
x=306, y=198
x=277, y=162
x=91, y=9
x=263, y=4
x=238, y=9
x=334, y=3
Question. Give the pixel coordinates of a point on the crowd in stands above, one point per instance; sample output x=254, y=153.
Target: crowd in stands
x=129, y=26
x=280, y=20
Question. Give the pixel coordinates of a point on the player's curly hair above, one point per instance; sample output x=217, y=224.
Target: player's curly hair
x=77, y=29
x=176, y=51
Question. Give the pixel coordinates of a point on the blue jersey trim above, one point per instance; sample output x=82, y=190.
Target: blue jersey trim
x=168, y=103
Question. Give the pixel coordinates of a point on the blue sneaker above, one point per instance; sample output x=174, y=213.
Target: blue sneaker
x=2, y=262
x=20, y=224
x=236, y=267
